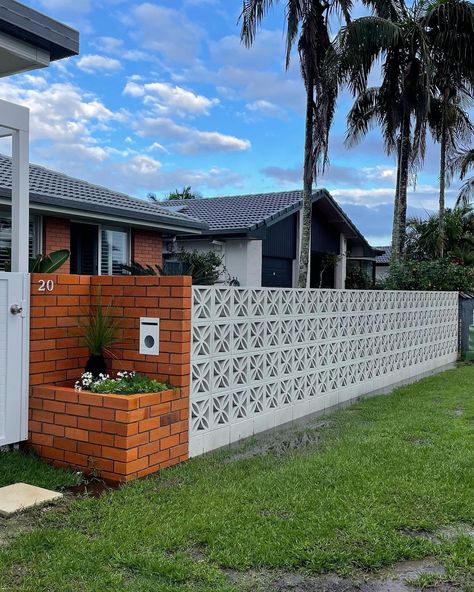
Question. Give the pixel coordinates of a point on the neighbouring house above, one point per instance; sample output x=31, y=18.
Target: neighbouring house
x=382, y=263
x=258, y=237
x=103, y=229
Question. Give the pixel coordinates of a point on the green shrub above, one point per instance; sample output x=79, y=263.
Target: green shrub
x=126, y=383
x=204, y=267
x=442, y=274
x=358, y=279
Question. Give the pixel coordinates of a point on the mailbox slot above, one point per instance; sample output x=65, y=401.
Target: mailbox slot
x=149, y=336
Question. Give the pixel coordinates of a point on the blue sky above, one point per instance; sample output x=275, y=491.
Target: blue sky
x=164, y=95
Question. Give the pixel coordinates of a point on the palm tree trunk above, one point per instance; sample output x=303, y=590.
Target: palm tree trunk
x=396, y=206
x=308, y=176
x=442, y=184
x=400, y=223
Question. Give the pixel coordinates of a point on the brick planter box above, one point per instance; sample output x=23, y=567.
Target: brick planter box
x=120, y=438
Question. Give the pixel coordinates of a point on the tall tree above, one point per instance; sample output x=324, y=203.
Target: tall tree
x=450, y=126
x=307, y=28
x=450, y=32
x=462, y=163
x=399, y=36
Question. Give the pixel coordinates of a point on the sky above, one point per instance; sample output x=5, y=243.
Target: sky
x=164, y=95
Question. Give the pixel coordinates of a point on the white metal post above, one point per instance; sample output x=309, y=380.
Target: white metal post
x=20, y=200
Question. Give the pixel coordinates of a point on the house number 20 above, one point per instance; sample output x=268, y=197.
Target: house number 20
x=46, y=286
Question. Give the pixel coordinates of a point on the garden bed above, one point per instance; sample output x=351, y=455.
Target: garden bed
x=116, y=437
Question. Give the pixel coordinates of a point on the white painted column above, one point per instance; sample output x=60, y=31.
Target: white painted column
x=341, y=267
x=15, y=122
x=20, y=200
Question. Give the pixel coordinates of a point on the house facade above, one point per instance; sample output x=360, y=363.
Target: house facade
x=103, y=229
x=258, y=237
x=382, y=263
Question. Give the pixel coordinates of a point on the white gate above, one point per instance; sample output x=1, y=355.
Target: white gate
x=14, y=357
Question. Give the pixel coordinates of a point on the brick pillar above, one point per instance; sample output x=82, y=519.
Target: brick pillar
x=121, y=437
x=57, y=236
x=147, y=247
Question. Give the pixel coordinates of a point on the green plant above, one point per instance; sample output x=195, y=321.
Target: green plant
x=100, y=333
x=126, y=383
x=358, y=279
x=204, y=267
x=442, y=274
x=45, y=263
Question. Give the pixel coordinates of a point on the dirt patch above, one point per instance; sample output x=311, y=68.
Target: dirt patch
x=15, y=525
x=396, y=579
x=91, y=487
x=449, y=532
x=280, y=441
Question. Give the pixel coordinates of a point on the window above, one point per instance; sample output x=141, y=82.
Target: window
x=6, y=237
x=114, y=250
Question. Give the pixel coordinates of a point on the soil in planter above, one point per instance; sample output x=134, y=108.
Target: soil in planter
x=96, y=365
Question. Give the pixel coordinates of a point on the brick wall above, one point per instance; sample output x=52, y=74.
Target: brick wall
x=121, y=438
x=56, y=236
x=147, y=247
x=58, y=355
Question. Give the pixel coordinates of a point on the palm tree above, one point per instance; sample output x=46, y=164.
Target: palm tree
x=450, y=125
x=404, y=38
x=423, y=236
x=462, y=163
x=453, y=80
x=307, y=28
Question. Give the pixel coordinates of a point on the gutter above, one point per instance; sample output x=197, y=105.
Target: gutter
x=150, y=221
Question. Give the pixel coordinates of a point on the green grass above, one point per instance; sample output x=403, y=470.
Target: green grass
x=378, y=472
x=18, y=467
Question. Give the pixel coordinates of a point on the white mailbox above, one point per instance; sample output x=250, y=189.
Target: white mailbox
x=150, y=336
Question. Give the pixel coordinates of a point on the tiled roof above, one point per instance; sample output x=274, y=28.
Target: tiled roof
x=238, y=212
x=51, y=188
x=246, y=213
x=385, y=258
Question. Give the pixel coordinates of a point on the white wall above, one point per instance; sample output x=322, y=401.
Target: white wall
x=381, y=272
x=241, y=257
x=263, y=357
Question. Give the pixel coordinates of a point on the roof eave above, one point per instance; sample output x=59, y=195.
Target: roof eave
x=53, y=205
x=36, y=28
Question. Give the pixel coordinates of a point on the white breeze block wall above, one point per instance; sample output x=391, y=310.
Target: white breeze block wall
x=264, y=357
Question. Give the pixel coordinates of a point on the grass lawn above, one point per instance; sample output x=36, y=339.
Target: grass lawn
x=363, y=489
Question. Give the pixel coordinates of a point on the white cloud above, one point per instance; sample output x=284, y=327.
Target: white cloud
x=265, y=109
x=115, y=46
x=190, y=140
x=97, y=63
x=166, y=98
x=142, y=165
x=62, y=114
x=166, y=31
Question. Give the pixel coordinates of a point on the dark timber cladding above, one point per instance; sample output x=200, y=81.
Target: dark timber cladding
x=279, y=251
x=39, y=30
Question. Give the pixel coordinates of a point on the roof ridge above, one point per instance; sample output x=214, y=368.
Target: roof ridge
x=263, y=193
x=84, y=182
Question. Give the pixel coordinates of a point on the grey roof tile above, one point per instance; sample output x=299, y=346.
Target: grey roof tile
x=238, y=212
x=53, y=188
x=385, y=258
